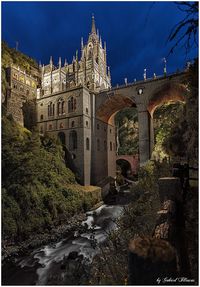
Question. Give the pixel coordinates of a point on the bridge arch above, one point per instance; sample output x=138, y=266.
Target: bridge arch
x=153, y=93
x=132, y=161
x=112, y=105
x=166, y=93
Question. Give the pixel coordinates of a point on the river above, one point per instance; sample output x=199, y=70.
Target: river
x=48, y=264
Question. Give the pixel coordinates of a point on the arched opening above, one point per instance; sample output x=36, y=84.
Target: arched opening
x=87, y=144
x=73, y=140
x=165, y=107
x=120, y=115
x=62, y=139
x=124, y=167
x=165, y=118
x=127, y=132
x=111, y=106
x=167, y=93
x=71, y=104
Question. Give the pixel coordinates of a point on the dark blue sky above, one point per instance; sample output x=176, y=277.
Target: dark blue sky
x=135, y=32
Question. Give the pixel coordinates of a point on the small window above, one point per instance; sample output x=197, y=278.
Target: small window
x=51, y=109
x=73, y=156
x=41, y=104
x=50, y=127
x=110, y=131
x=98, y=144
x=98, y=126
x=105, y=145
x=110, y=146
x=73, y=140
x=61, y=126
x=41, y=130
x=87, y=124
x=41, y=117
x=87, y=144
x=72, y=124
x=86, y=110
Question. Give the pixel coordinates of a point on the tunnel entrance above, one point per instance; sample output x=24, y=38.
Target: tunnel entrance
x=124, y=166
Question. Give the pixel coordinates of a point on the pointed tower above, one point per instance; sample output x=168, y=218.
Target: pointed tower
x=93, y=70
x=93, y=30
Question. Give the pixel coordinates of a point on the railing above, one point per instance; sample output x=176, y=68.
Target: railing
x=147, y=80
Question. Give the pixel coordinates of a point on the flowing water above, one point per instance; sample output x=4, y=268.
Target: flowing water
x=40, y=265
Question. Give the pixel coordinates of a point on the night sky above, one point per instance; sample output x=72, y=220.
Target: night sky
x=135, y=32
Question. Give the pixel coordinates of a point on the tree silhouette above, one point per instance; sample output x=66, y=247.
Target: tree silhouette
x=185, y=32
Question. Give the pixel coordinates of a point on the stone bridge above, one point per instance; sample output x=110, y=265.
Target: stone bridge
x=145, y=96
x=133, y=161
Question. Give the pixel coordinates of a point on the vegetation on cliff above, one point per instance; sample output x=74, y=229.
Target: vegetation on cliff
x=38, y=191
x=183, y=136
x=126, y=122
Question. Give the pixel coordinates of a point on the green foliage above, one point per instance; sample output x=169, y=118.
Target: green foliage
x=165, y=121
x=127, y=125
x=38, y=190
x=183, y=136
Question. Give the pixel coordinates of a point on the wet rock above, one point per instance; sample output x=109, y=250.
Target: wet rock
x=73, y=255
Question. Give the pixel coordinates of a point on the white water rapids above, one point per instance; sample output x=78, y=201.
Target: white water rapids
x=99, y=223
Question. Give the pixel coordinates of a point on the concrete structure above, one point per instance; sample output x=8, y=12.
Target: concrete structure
x=22, y=89
x=76, y=103
x=145, y=96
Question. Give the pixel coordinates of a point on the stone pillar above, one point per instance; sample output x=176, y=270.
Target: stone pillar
x=151, y=260
x=144, y=135
x=151, y=133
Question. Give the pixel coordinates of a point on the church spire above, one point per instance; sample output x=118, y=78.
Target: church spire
x=93, y=31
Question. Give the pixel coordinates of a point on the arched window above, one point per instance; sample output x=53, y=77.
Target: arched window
x=98, y=144
x=87, y=144
x=111, y=146
x=60, y=107
x=90, y=54
x=63, y=107
x=71, y=104
x=73, y=140
x=87, y=124
x=86, y=110
x=41, y=117
x=61, y=136
x=51, y=109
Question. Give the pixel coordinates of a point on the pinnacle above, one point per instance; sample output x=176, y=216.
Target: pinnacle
x=93, y=25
